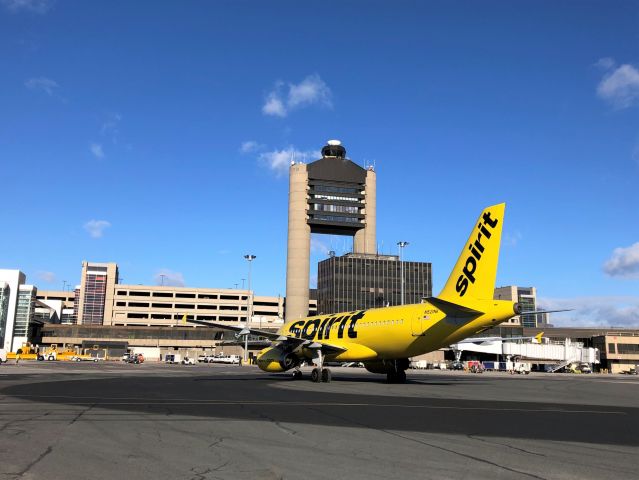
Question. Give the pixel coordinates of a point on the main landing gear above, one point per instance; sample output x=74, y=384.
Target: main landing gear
x=396, y=372
x=396, y=377
x=297, y=374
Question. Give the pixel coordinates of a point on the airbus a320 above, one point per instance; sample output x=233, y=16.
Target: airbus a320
x=384, y=339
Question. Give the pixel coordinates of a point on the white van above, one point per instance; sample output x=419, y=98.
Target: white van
x=172, y=358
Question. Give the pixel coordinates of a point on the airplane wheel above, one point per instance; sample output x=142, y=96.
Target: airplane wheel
x=326, y=375
x=401, y=377
x=315, y=375
x=297, y=375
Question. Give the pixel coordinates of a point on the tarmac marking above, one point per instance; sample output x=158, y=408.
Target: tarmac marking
x=329, y=404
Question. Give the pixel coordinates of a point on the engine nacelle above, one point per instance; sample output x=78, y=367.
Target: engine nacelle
x=274, y=359
x=387, y=366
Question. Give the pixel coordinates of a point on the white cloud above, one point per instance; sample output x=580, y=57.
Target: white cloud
x=620, y=87
x=35, y=6
x=96, y=150
x=274, y=105
x=47, y=277
x=605, y=63
x=624, y=262
x=512, y=239
x=42, y=83
x=310, y=91
x=168, y=277
x=593, y=311
x=250, y=146
x=96, y=227
x=280, y=160
x=110, y=127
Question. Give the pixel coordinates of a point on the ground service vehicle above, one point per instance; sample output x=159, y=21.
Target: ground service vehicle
x=385, y=338
x=172, y=358
x=3, y=356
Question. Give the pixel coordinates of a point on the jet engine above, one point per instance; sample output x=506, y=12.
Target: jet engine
x=387, y=366
x=274, y=359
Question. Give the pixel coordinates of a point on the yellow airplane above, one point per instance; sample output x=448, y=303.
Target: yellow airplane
x=385, y=338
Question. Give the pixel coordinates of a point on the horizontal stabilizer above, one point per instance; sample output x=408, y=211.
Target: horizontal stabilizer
x=547, y=311
x=452, y=309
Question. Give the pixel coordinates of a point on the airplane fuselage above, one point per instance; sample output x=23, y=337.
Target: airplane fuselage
x=388, y=333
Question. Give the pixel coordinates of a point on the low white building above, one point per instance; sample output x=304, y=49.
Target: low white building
x=10, y=282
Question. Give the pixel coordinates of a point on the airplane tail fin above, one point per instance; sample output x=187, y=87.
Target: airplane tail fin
x=473, y=277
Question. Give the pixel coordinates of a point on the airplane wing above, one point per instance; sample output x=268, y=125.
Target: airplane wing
x=288, y=340
x=240, y=329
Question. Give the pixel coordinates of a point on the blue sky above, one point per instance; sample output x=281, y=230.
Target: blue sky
x=157, y=135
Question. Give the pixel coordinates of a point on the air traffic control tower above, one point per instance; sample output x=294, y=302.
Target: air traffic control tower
x=332, y=195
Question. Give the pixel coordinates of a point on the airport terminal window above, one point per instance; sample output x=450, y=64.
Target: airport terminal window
x=160, y=316
x=137, y=315
x=185, y=295
x=330, y=188
x=120, y=304
x=138, y=304
x=335, y=197
x=122, y=292
x=184, y=305
x=229, y=297
x=323, y=207
x=134, y=293
x=628, y=348
x=162, y=294
x=228, y=307
x=207, y=307
x=611, y=348
x=207, y=296
x=229, y=319
x=333, y=218
x=162, y=305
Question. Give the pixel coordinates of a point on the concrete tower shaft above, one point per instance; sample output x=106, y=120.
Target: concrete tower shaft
x=365, y=240
x=299, y=244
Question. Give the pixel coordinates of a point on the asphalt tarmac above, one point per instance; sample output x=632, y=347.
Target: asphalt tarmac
x=117, y=421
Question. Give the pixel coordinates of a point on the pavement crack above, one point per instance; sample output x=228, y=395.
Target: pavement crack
x=216, y=442
x=438, y=447
x=473, y=436
x=35, y=462
x=278, y=424
x=77, y=417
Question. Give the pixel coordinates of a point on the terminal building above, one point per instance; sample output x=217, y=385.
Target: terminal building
x=527, y=298
x=357, y=281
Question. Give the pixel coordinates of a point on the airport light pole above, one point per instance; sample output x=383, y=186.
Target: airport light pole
x=249, y=303
x=401, y=246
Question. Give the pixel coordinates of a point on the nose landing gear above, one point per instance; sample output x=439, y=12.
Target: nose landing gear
x=320, y=374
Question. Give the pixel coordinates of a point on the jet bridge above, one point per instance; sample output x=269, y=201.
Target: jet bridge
x=560, y=353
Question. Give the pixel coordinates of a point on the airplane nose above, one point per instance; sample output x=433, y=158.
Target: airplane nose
x=517, y=308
